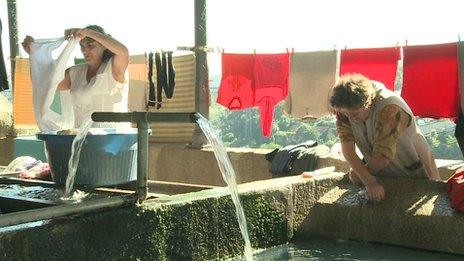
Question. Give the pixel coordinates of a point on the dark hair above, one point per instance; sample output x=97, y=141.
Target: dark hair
x=107, y=54
x=352, y=91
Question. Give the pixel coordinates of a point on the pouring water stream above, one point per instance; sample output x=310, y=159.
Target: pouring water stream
x=228, y=174
x=75, y=155
x=227, y=171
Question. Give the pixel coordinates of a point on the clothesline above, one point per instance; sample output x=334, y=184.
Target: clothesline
x=220, y=50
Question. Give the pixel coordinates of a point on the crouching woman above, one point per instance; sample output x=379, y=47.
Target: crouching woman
x=382, y=126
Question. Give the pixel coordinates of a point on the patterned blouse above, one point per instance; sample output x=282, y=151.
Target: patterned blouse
x=390, y=125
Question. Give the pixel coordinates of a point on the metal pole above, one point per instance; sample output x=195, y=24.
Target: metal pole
x=22, y=217
x=142, y=160
x=201, y=83
x=13, y=33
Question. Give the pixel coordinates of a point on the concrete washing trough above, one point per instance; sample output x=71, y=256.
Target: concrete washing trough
x=201, y=224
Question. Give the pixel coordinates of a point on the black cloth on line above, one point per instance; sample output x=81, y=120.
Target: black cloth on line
x=171, y=76
x=3, y=76
x=164, y=73
x=159, y=80
x=151, y=95
x=459, y=131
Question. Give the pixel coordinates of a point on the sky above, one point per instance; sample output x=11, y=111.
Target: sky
x=246, y=25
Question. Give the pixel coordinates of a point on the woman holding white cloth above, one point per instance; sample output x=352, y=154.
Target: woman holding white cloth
x=101, y=84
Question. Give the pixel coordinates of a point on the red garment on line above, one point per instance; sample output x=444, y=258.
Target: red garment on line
x=271, y=86
x=237, y=82
x=430, y=80
x=377, y=64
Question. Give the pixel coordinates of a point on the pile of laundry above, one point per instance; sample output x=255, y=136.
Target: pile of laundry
x=28, y=168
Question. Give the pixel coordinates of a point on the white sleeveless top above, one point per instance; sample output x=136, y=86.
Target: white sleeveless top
x=102, y=93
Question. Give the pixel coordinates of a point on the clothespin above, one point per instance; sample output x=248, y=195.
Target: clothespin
x=406, y=43
x=287, y=50
x=222, y=50
x=345, y=48
x=254, y=51
x=459, y=38
x=397, y=44
x=293, y=50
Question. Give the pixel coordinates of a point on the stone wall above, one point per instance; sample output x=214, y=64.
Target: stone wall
x=176, y=163
x=415, y=213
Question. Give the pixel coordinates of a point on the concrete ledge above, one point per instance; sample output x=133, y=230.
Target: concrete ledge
x=194, y=226
x=416, y=213
x=203, y=225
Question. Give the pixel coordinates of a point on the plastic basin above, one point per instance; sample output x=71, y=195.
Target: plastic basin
x=106, y=159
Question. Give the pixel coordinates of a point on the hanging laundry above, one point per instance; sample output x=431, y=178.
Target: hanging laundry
x=271, y=86
x=138, y=82
x=23, y=111
x=3, y=76
x=430, y=80
x=165, y=78
x=184, y=101
x=378, y=64
x=46, y=74
x=160, y=79
x=151, y=92
x=170, y=75
x=237, y=82
x=312, y=76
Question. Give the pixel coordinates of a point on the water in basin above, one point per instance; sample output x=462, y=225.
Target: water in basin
x=334, y=249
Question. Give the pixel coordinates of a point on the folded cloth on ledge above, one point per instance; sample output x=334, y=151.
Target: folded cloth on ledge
x=39, y=171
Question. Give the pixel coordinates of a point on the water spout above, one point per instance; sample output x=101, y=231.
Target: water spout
x=75, y=155
x=228, y=174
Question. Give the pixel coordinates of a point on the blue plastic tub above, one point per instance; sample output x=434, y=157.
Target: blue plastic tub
x=106, y=159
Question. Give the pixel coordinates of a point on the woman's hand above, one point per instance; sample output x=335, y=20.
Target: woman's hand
x=27, y=43
x=375, y=191
x=354, y=178
x=77, y=33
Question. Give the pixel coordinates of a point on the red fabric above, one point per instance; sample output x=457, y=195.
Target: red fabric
x=271, y=86
x=39, y=171
x=236, y=88
x=455, y=188
x=430, y=80
x=377, y=64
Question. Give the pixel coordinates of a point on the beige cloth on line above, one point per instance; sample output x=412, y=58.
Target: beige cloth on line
x=312, y=75
x=138, y=73
x=183, y=99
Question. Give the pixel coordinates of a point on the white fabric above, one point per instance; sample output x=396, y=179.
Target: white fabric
x=101, y=93
x=312, y=76
x=46, y=74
